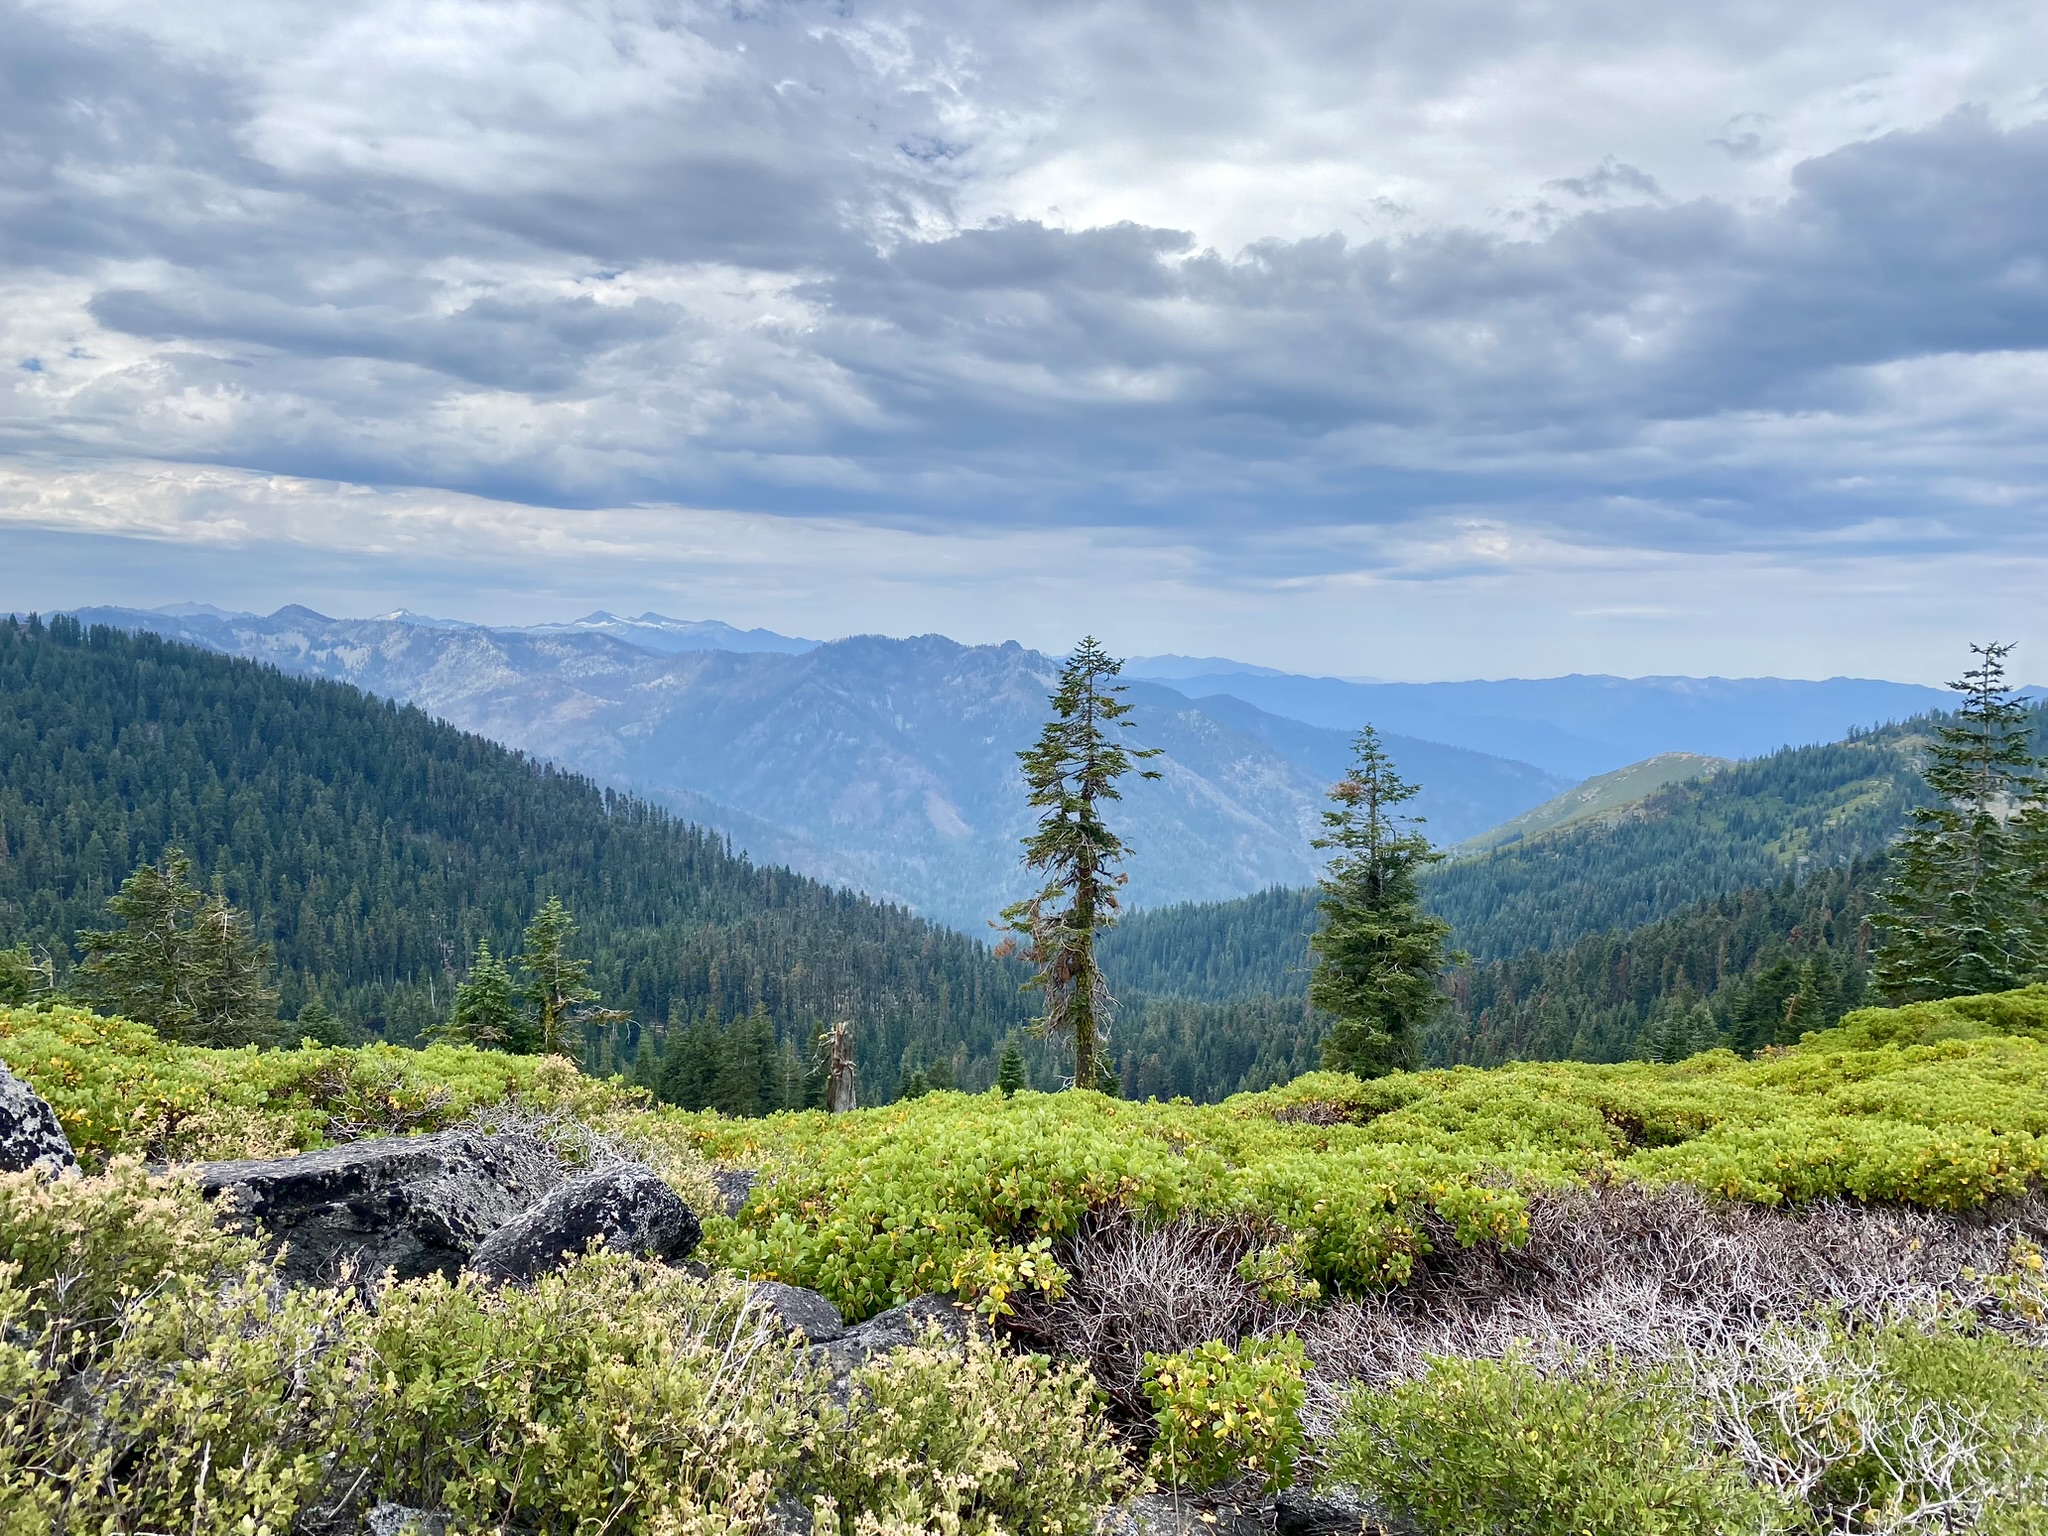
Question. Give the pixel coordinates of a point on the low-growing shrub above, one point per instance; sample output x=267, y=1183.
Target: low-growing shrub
x=118, y=1089
x=1916, y=1425
x=1497, y=1446
x=612, y=1394
x=973, y=1441
x=1223, y=1414
x=78, y=1249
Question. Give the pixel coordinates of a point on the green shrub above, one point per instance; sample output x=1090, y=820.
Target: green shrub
x=119, y=1089
x=78, y=1249
x=612, y=1394
x=1226, y=1413
x=1907, y=1426
x=973, y=1442
x=1496, y=1446
x=152, y=1374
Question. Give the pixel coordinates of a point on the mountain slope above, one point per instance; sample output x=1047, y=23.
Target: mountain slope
x=1750, y=825
x=884, y=764
x=1602, y=798
x=375, y=846
x=1797, y=811
x=1580, y=726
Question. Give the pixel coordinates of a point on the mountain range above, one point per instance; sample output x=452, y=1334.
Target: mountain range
x=1579, y=726
x=887, y=765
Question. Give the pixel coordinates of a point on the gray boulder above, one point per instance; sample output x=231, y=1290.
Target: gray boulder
x=626, y=1205
x=734, y=1185
x=797, y=1310
x=887, y=1332
x=30, y=1134
x=402, y=1520
x=415, y=1205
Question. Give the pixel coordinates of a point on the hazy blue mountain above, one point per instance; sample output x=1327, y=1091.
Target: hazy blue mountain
x=1582, y=725
x=657, y=632
x=886, y=764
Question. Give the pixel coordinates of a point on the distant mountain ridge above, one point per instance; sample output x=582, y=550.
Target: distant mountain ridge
x=1603, y=797
x=1580, y=726
x=887, y=765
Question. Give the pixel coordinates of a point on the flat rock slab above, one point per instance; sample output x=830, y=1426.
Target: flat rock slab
x=627, y=1206
x=414, y=1205
x=31, y=1136
x=799, y=1311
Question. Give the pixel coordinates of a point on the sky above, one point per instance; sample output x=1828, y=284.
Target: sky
x=1411, y=340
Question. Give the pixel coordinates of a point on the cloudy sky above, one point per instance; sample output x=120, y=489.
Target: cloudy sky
x=1424, y=339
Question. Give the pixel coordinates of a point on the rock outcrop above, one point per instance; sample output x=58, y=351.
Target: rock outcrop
x=626, y=1205
x=887, y=1332
x=30, y=1134
x=415, y=1205
x=734, y=1185
x=797, y=1310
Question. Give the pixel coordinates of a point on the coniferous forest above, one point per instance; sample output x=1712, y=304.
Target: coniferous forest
x=373, y=848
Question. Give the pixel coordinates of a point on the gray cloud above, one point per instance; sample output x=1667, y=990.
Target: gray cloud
x=1085, y=263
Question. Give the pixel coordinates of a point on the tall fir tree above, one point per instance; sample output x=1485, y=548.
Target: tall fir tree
x=1072, y=770
x=1963, y=911
x=1378, y=958
x=180, y=962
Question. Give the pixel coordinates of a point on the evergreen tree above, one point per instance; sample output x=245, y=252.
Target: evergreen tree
x=25, y=976
x=1073, y=768
x=746, y=1065
x=486, y=1013
x=647, y=1064
x=181, y=963
x=1378, y=959
x=1960, y=913
x=558, y=988
x=232, y=999
x=317, y=1023
x=1010, y=1070
x=1815, y=1004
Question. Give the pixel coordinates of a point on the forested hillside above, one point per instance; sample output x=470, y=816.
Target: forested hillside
x=1766, y=964
x=1795, y=812
x=374, y=846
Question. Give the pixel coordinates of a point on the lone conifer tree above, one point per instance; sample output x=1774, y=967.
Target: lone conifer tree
x=1962, y=908
x=1074, y=768
x=1010, y=1070
x=1378, y=958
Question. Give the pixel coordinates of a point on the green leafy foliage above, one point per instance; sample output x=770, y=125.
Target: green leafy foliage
x=1496, y=1446
x=1222, y=1414
x=611, y=1392
x=881, y=1205
x=118, y=1088
x=979, y=1441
